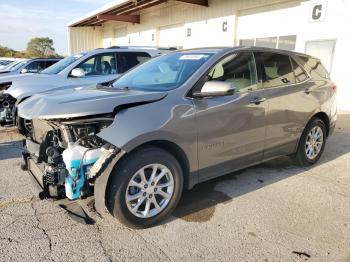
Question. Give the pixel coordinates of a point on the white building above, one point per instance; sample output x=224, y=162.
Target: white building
x=317, y=27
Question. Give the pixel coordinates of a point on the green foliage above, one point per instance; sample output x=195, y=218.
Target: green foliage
x=40, y=47
x=36, y=47
x=5, y=51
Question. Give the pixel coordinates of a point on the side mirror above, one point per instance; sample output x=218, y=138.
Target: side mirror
x=77, y=72
x=24, y=71
x=215, y=88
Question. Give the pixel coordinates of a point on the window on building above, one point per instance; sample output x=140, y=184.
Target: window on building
x=270, y=42
x=238, y=69
x=247, y=42
x=287, y=42
x=102, y=64
x=278, y=70
x=129, y=60
x=299, y=72
x=282, y=42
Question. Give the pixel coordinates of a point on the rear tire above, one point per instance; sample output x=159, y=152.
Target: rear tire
x=137, y=200
x=312, y=143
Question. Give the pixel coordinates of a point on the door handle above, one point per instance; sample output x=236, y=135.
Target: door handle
x=257, y=100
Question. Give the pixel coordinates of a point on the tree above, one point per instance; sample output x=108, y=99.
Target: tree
x=5, y=51
x=40, y=47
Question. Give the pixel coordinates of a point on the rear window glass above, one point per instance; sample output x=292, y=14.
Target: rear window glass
x=314, y=67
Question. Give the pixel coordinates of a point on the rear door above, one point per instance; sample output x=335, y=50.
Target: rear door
x=286, y=84
x=231, y=129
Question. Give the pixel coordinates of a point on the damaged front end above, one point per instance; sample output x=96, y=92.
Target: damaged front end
x=7, y=110
x=65, y=157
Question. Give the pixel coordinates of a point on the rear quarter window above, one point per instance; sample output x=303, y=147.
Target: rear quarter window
x=314, y=67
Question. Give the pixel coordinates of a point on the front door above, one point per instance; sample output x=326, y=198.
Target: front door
x=231, y=129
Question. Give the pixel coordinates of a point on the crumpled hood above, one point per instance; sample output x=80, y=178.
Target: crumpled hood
x=80, y=102
x=29, y=84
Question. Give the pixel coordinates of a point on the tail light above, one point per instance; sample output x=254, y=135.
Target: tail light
x=334, y=87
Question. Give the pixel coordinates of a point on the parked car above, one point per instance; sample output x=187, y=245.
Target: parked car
x=175, y=121
x=99, y=66
x=34, y=65
x=4, y=63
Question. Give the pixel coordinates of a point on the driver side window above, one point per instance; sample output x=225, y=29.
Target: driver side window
x=102, y=64
x=238, y=69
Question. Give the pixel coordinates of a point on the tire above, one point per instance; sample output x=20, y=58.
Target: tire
x=23, y=127
x=129, y=169
x=303, y=156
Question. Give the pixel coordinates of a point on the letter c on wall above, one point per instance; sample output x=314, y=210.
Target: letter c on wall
x=317, y=12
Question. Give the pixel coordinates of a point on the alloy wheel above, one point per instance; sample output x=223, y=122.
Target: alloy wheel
x=149, y=191
x=314, y=142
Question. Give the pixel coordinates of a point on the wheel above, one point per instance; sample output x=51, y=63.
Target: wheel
x=24, y=126
x=145, y=187
x=312, y=143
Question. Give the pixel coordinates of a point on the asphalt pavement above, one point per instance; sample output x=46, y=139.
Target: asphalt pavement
x=275, y=211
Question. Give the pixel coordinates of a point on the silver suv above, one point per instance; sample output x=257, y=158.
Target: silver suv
x=175, y=121
x=100, y=66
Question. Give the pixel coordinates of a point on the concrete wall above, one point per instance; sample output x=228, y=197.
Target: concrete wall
x=84, y=38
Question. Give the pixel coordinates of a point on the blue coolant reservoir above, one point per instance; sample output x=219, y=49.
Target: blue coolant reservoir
x=78, y=160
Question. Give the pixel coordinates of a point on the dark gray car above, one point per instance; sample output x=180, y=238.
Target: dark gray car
x=176, y=121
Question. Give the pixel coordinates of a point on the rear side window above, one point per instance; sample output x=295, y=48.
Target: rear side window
x=277, y=70
x=314, y=67
x=129, y=60
x=300, y=75
x=50, y=63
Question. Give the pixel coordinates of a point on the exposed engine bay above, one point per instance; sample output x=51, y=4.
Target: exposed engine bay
x=65, y=157
x=7, y=110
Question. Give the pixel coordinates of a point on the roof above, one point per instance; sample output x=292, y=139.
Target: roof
x=123, y=11
x=120, y=7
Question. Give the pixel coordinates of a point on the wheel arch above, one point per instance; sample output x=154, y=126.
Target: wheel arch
x=102, y=183
x=324, y=117
x=175, y=150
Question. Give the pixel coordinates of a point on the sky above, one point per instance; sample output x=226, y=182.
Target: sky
x=21, y=20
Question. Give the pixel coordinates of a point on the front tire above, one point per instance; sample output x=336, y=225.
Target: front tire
x=145, y=187
x=312, y=143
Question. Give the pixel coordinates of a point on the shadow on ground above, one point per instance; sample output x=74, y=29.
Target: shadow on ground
x=10, y=150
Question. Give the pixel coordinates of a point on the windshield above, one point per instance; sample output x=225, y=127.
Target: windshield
x=62, y=64
x=163, y=73
x=14, y=66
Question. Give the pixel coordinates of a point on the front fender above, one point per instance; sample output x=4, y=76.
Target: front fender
x=162, y=120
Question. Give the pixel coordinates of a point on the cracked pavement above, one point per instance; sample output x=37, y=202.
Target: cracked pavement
x=272, y=212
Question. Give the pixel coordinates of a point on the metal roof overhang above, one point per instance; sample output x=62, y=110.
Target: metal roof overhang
x=124, y=11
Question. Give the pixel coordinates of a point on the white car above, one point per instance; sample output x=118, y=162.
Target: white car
x=100, y=66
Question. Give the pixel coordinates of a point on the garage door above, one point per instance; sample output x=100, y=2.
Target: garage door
x=171, y=36
x=120, y=36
